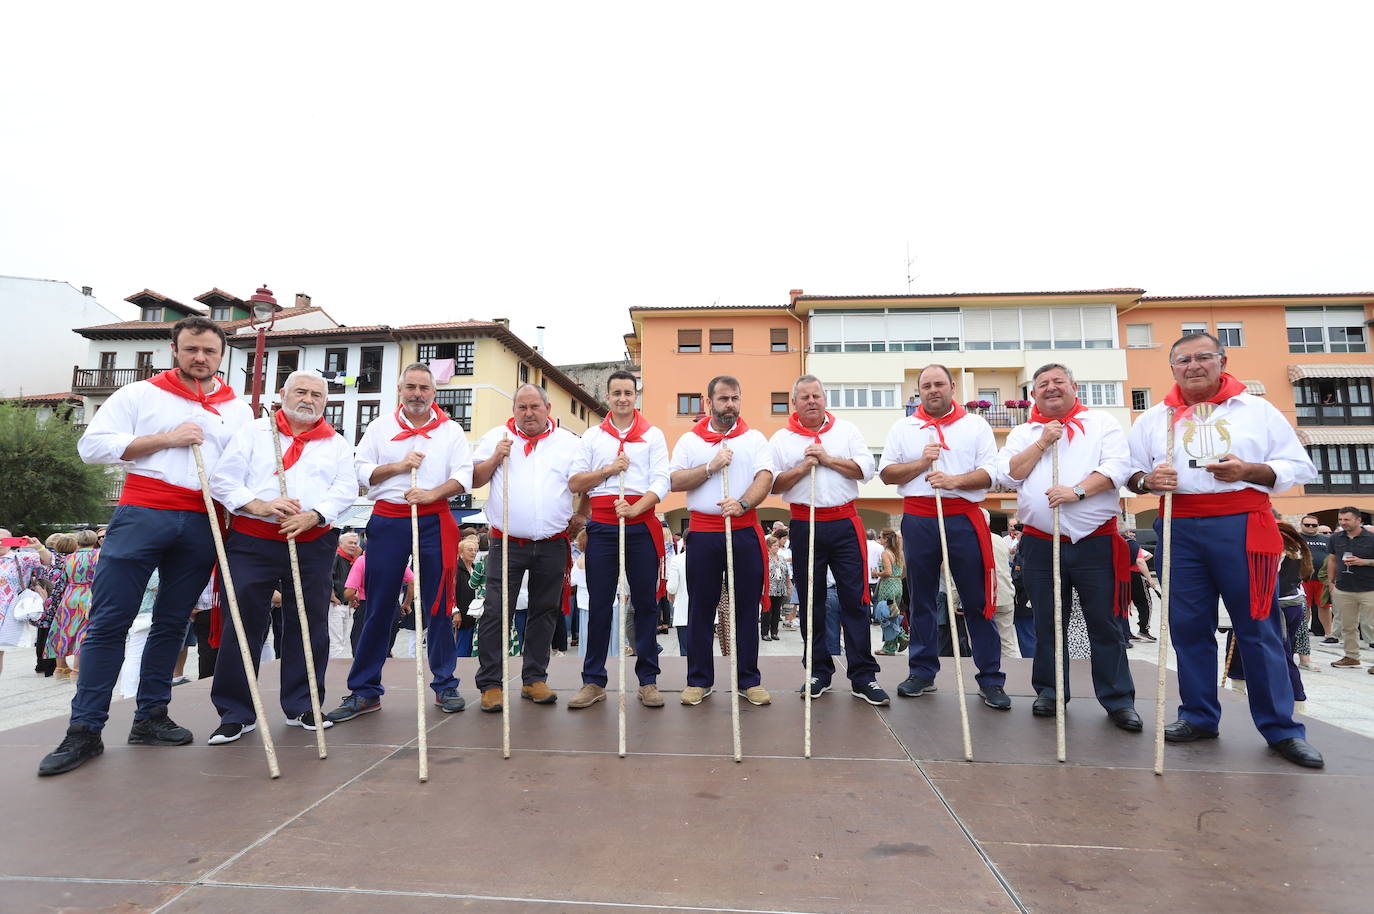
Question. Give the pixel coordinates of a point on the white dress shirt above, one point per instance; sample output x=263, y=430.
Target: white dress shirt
x=752, y=453
x=1100, y=447
x=833, y=488
x=677, y=586
x=447, y=456
x=321, y=480
x=1258, y=432
x=142, y=408
x=540, y=502
x=971, y=447
x=648, y=471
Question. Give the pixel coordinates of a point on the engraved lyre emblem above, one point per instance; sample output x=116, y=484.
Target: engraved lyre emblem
x=1204, y=436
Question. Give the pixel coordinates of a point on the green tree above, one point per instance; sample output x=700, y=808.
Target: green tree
x=43, y=483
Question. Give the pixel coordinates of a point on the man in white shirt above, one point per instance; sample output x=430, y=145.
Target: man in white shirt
x=1231, y=450
x=538, y=542
x=1094, y=559
x=320, y=485
x=719, y=440
x=149, y=428
x=813, y=438
x=418, y=436
x=962, y=442
x=624, y=451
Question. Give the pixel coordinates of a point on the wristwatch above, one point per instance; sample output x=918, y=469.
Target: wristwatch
x=744, y=505
x=1081, y=492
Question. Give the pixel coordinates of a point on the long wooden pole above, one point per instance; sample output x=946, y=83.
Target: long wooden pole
x=622, y=594
x=418, y=608
x=734, y=616
x=505, y=607
x=810, y=613
x=953, y=623
x=1060, y=750
x=1166, y=537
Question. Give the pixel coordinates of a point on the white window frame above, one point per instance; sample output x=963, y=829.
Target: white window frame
x=1149, y=333
x=1188, y=327
x=1238, y=327
x=1145, y=391
x=1088, y=393
x=837, y=395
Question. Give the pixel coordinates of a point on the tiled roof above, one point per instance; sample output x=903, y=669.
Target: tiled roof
x=450, y=325
x=1122, y=291
x=152, y=327
x=372, y=331
x=217, y=292
x=42, y=398
x=712, y=307
x=1284, y=295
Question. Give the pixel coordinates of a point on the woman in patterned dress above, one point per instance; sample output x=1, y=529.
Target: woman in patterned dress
x=69, y=626
x=891, y=571
x=60, y=545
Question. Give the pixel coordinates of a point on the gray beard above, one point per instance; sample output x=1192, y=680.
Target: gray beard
x=301, y=415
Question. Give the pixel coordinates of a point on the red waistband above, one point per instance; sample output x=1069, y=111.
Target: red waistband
x=838, y=512
x=147, y=492
x=521, y=541
x=603, y=511
x=267, y=530
x=1218, y=504
x=402, y=509
x=924, y=505
x=1121, y=561
x=1108, y=527
x=715, y=523
x=1263, y=543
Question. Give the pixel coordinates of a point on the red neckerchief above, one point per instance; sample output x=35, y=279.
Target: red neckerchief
x=956, y=412
x=1069, y=422
x=530, y=441
x=344, y=555
x=794, y=425
x=167, y=380
x=320, y=431
x=711, y=436
x=1228, y=389
x=407, y=431
x=635, y=435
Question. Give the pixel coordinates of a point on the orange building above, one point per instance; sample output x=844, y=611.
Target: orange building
x=680, y=349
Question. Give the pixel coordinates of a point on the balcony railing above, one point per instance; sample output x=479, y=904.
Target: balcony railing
x=107, y=380
x=1336, y=414
x=1002, y=416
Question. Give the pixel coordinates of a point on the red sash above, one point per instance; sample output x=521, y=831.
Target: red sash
x=924, y=506
x=266, y=530
x=840, y=512
x=603, y=512
x=147, y=492
x=449, y=536
x=167, y=380
x=1263, y=543
x=566, y=598
x=1069, y=422
x=697, y=522
x=320, y=431
x=1121, y=562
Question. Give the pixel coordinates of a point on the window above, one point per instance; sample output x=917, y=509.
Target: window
x=1035, y=328
x=1334, y=401
x=1098, y=325
x=1323, y=329
x=367, y=411
x=863, y=396
x=777, y=339
x=461, y=353
x=780, y=405
x=524, y=373
x=689, y=404
x=458, y=405
x=335, y=362
x=992, y=328
x=723, y=340
x=143, y=361
x=150, y=313
x=1231, y=334
x=221, y=313
x=689, y=341
x=1139, y=336
x=1099, y=393
x=369, y=371
x=333, y=414
x=250, y=361
x=1345, y=468
x=1188, y=328
x=1140, y=399
x=288, y=361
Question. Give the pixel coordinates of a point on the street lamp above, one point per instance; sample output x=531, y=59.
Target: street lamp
x=265, y=310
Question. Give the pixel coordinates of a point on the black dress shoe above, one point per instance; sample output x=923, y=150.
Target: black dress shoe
x=1043, y=707
x=1299, y=751
x=1127, y=719
x=1180, y=731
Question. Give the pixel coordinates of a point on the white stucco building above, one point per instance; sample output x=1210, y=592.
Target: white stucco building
x=38, y=348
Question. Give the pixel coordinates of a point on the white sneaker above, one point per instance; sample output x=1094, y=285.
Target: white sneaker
x=228, y=733
x=307, y=720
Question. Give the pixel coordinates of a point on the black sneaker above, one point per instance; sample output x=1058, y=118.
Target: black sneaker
x=306, y=719
x=870, y=692
x=914, y=686
x=352, y=706
x=818, y=688
x=1331, y=641
x=449, y=701
x=79, y=746
x=995, y=697
x=159, y=730
x=228, y=733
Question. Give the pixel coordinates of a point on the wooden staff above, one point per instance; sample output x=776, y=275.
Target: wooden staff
x=623, y=590
x=505, y=604
x=953, y=623
x=810, y=612
x=300, y=604
x=234, y=616
x=730, y=592
x=1166, y=537
x=1061, y=752
x=418, y=608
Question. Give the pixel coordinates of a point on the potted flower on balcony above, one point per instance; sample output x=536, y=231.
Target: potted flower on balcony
x=985, y=404
x=973, y=404
x=1011, y=404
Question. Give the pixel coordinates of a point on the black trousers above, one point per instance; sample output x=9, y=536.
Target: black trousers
x=205, y=654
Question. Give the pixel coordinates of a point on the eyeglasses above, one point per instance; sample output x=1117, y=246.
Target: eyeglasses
x=1202, y=358
x=1309, y=525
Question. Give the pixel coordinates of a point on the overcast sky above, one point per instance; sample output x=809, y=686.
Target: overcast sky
x=558, y=163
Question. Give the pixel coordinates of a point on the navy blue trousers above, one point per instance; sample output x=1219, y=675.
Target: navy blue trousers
x=388, y=554
x=1207, y=563
x=705, y=574
x=837, y=548
x=1085, y=566
x=179, y=545
x=259, y=567
x=921, y=544
x=603, y=574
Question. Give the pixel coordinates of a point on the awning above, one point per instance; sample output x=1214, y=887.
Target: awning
x=1255, y=387
x=1298, y=372
x=1314, y=437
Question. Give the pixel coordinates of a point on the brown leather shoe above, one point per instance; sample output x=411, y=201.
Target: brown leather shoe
x=491, y=699
x=649, y=696
x=588, y=695
x=539, y=693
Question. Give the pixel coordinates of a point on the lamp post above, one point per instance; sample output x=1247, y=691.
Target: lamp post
x=265, y=310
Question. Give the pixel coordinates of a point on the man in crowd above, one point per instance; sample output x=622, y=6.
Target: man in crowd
x=1094, y=560
x=340, y=613
x=1141, y=578
x=1350, y=569
x=150, y=427
x=320, y=486
x=539, y=455
x=1231, y=450
x=813, y=439
x=420, y=437
x=723, y=439
x=624, y=453
x=1319, y=544
x=962, y=443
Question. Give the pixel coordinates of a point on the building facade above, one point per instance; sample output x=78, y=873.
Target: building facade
x=39, y=350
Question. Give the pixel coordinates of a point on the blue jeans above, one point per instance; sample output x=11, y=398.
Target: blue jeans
x=891, y=620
